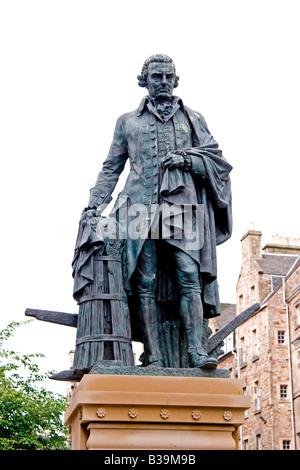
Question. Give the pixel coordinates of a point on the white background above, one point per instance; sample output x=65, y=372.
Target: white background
x=68, y=70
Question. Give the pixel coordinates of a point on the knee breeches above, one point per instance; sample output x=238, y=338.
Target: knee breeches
x=186, y=270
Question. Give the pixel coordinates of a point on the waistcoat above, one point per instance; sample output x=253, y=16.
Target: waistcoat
x=159, y=138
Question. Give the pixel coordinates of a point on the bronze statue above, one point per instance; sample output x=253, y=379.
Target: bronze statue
x=174, y=160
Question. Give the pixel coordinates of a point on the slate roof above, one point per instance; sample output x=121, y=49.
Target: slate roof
x=276, y=265
x=294, y=265
x=228, y=312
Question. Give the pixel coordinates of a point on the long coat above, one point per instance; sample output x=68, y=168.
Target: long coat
x=135, y=139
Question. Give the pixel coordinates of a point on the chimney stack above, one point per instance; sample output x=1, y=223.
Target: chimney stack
x=283, y=245
x=251, y=246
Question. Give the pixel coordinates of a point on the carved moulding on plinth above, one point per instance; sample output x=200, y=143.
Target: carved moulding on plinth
x=153, y=412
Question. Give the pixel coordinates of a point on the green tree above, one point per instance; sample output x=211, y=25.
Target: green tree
x=30, y=416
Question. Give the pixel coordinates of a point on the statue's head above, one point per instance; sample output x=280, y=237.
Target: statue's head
x=159, y=76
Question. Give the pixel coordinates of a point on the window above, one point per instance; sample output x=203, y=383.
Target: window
x=281, y=337
x=253, y=294
x=228, y=343
x=258, y=442
x=256, y=397
x=246, y=394
x=254, y=344
x=286, y=444
x=241, y=303
x=283, y=391
x=243, y=350
x=246, y=444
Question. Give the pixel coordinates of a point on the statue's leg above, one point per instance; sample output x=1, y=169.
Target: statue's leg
x=191, y=309
x=146, y=286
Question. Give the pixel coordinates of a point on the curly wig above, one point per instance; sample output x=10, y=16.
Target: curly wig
x=155, y=58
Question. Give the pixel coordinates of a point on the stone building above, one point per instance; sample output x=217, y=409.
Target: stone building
x=264, y=351
x=292, y=302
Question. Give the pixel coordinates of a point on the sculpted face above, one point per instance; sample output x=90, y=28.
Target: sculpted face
x=161, y=80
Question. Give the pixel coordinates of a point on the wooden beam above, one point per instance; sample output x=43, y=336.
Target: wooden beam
x=70, y=319
x=61, y=318
x=218, y=337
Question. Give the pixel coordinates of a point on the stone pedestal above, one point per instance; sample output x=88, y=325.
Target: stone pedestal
x=156, y=412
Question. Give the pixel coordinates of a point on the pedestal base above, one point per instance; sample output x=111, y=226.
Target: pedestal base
x=153, y=412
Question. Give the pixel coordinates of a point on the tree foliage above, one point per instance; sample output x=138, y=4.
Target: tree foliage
x=30, y=415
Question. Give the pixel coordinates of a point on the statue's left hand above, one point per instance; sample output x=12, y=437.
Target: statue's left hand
x=87, y=213
x=172, y=160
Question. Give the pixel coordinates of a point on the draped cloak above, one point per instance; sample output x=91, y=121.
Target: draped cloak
x=206, y=184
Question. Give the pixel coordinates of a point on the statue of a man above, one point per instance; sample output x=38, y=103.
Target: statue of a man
x=165, y=141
